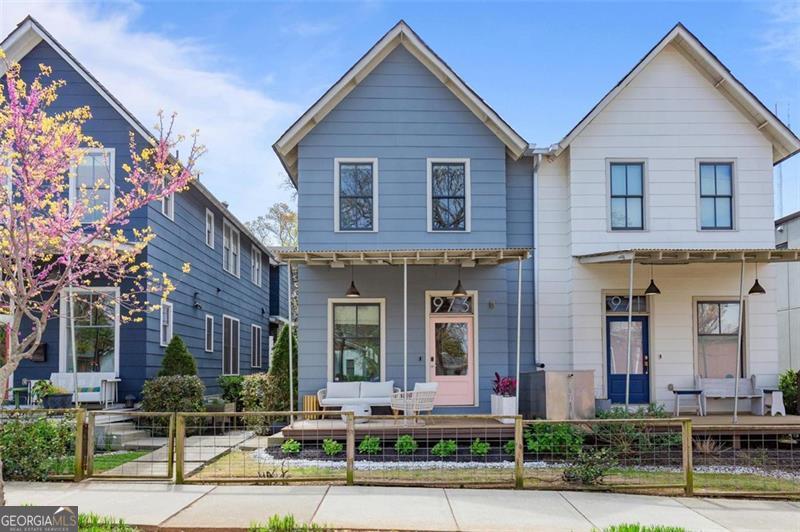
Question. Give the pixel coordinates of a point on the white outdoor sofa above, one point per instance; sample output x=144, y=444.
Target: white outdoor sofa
x=98, y=387
x=339, y=394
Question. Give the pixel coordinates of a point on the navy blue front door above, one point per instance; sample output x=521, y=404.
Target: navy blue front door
x=617, y=359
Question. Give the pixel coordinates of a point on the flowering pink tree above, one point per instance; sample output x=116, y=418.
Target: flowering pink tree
x=53, y=238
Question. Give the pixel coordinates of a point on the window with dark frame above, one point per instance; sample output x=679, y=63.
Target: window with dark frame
x=356, y=197
x=255, y=346
x=448, y=196
x=356, y=341
x=627, y=196
x=717, y=338
x=230, y=346
x=209, y=333
x=716, y=196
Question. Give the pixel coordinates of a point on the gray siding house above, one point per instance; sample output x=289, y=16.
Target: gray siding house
x=787, y=278
x=219, y=295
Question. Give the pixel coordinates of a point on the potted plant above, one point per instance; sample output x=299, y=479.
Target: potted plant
x=504, y=397
x=51, y=396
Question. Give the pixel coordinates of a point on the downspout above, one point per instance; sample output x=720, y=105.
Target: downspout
x=537, y=159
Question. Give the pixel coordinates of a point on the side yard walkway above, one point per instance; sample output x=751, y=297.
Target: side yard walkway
x=169, y=507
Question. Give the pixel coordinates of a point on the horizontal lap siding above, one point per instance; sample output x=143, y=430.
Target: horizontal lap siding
x=401, y=115
x=788, y=279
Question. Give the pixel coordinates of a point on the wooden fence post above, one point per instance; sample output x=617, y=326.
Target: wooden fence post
x=180, y=436
x=688, y=466
x=351, y=447
x=91, y=418
x=519, y=469
x=171, y=446
x=80, y=416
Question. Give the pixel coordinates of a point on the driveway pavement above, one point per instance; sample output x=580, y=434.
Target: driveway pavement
x=165, y=506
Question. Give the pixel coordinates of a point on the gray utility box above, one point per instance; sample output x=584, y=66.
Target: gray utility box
x=557, y=394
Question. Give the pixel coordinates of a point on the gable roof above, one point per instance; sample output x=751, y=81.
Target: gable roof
x=400, y=35
x=29, y=33
x=784, y=142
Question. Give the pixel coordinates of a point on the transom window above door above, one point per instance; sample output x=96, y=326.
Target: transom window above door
x=449, y=200
x=627, y=196
x=716, y=196
x=356, y=195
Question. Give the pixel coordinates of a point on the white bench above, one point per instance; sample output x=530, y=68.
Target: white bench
x=97, y=387
x=339, y=394
x=726, y=389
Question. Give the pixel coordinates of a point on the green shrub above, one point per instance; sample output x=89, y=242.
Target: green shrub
x=590, y=466
x=370, y=445
x=332, y=447
x=291, y=446
x=284, y=523
x=97, y=523
x=33, y=448
x=174, y=393
x=277, y=393
x=177, y=359
x=444, y=448
x=231, y=386
x=635, y=437
x=559, y=438
x=509, y=447
x=789, y=384
x=636, y=527
x=479, y=447
x=650, y=411
x=406, y=444
x=255, y=392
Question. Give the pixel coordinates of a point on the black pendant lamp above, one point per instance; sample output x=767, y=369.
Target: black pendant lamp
x=652, y=289
x=459, y=291
x=352, y=291
x=757, y=289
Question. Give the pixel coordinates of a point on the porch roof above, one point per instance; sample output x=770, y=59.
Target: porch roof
x=691, y=256
x=413, y=257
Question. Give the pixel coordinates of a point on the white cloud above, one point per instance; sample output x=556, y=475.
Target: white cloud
x=783, y=36
x=149, y=72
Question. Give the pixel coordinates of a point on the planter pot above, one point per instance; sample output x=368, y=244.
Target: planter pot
x=57, y=400
x=504, y=406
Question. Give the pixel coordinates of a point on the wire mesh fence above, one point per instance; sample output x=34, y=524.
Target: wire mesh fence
x=42, y=444
x=619, y=454
x=132, y=445
x=747, y=460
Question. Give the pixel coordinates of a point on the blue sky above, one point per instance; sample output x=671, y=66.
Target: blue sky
x=243, y=71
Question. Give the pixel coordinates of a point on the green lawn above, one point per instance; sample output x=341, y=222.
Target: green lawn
x=102, y=462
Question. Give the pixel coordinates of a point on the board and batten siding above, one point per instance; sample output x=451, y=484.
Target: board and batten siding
x=401, y=114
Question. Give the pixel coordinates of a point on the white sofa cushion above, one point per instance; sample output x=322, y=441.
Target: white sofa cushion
x=370, y=401
x=342, y=390
x=377, y=389
x=426, y=387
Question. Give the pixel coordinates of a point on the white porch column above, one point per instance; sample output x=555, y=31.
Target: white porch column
x=405, y=333
x=630, y=326
x=739, y=345
x=519, y=327
x=291, y=358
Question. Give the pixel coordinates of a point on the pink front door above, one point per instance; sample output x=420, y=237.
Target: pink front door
x=451, y=359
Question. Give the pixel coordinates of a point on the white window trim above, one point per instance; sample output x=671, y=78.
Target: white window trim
x=237, y=272
x=210, y=213
x=734, y=190
x=745, y=330
x=64, y=319
x=256, y=348
x=110, y=156
x=475, y=339
x=375, y=215
x=168, y=200
x=206, y=331
x=238, y=344
x=467, y=192
x=164, y=306
x=255, y=265
x=382, y=303
x=645, y=195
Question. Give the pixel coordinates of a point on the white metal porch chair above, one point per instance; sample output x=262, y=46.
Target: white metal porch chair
x=415, y=402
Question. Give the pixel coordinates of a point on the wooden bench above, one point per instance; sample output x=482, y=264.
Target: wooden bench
x=726, y=389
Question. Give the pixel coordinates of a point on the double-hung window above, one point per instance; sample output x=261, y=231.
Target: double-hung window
x=230, y=345
x=96, y=323
x=717, y=338
x=92, y=184
x=209, y=229
x=255, y=346
x=627, y=196
x=355, y=195
x=448, y=195
x=230, y=248
x=166, y=323
x=168, y=204
x=255, y=265
x=209, y=347
x=716, y=196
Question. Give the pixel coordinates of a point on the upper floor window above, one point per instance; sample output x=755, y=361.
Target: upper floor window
x=716, y=196
x=92, y=184
x=209, y=229
x=448, y=195
x=255, y=346
x=230, y=248
x=255, y=265
x=168, y=206
x=627, y=196
x=356, y=195
x=166, y=323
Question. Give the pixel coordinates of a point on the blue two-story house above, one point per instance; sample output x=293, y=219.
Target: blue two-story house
x=226, y=309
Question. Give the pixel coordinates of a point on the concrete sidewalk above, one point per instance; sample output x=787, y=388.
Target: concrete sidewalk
x=171, y=507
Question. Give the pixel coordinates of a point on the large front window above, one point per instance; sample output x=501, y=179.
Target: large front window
x=449, y=195
x=717, y=338
x=95, y=323
x=356, y=341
